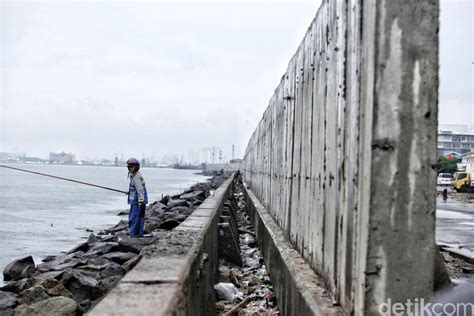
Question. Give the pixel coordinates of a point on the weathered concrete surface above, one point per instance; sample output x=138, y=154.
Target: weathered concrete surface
x=176, y=275
x=344, y=155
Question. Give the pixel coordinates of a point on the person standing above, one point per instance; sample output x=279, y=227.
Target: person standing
x=445, y=195
x=137, y=199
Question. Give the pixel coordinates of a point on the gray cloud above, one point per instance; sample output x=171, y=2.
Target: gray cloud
x=100, y=78
x=456, y=97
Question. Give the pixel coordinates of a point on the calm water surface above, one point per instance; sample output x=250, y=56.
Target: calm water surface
x=43, y=216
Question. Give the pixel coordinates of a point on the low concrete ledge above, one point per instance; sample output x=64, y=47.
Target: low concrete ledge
x=176, y=275
x=298, y=288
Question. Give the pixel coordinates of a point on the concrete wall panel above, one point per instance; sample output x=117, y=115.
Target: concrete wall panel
x=342, y=158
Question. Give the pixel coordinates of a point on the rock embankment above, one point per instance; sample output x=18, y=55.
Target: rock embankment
x=73, y=282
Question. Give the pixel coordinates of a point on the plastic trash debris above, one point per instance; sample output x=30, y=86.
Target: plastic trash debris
x=262, y=271
x=228, y=292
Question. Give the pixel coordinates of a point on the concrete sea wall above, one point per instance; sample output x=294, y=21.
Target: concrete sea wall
x=343, y=158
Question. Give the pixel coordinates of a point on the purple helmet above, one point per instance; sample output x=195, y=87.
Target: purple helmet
x=133, y=162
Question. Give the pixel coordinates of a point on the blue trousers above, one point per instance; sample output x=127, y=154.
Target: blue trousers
x=135, y=221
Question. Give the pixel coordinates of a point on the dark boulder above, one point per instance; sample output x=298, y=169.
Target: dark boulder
x=127, y=266
x=169, y=224
x=196, y=202
x=113, y=269
x=180, y=209
x=119, y=257
x=54, y=306
x=101, y=248
x=200, y=195
x=85, y=304
x=180, y=218
x=49, y=283
x=48, y=265
x=90, y=271
x=165, y=200
x=70, y=263
x=32, y=295
x=107, y=284
x=135, y=244
x=40, y=277
x=55, y=288
x=8, y=300
x=102, y=271
x=81, y=287
x=122, y=225
x=7, y=312
x=151, y=224
x=62, y=262
x=60, y=290
x=154, y=213
x=92, y=239
x=124, y=212
x=18, y=286
x=188, y=191
x=81, y=247
x=155, y=209
x=19, y=269
x=177, y=202
x=49, y=258
x=110, y=238
x=98, y=261
x=93, y=267
x=169, y=215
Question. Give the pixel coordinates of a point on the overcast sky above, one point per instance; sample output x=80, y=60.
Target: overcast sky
x=104, y=77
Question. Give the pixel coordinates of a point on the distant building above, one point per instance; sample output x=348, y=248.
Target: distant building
x=11, y=157
x=455, y=138
x=34, y=160
x=62, y=158
x=468, y=159
x=467, y=163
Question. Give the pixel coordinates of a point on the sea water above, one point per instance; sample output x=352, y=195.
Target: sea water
x=41, y=216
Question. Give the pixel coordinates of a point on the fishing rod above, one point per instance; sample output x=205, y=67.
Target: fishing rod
x=66, y=179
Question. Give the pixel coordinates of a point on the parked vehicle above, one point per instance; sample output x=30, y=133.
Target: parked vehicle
x=464, y=181
x=445, y=179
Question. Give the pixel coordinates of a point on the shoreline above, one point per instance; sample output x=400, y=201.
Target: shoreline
x=78, y=279
x=29, y=208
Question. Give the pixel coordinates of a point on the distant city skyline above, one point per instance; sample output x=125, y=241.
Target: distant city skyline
x=205, y=155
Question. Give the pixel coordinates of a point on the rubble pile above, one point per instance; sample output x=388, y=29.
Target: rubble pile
x=464, y=197
x=246, y=289
x=452, y=195
x=73, y=282
x=457, y=267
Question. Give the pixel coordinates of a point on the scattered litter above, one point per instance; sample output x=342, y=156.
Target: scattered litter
x=251, y=279
x=228, y=292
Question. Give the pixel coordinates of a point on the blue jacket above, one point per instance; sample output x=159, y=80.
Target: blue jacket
x=137, y=192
